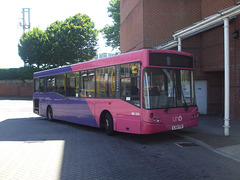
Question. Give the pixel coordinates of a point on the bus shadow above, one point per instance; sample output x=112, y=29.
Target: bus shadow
x=85, y=149
x=148, y=139
x=41, y=128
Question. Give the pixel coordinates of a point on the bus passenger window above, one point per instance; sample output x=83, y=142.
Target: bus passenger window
x=87, y=88
x=61, y=84
x=102, y=77
x=111, y=81
x=72, y=84
x=51, y=84
x=41, y=84
x=36, y=85
x=130, y=83
x=105, y=78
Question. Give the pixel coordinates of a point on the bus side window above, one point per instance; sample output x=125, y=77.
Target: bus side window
x=105, y=82
x=91, y=82
x=102, y=82
x=61, y=84
x=72, y=84
x=41, y=85
x=51, y=84
x=111, y=81
x=87, y=86
x=130, y=83
x=36, y=85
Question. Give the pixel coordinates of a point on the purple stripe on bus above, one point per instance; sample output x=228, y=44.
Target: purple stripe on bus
x=75, y=110
x=53, y=71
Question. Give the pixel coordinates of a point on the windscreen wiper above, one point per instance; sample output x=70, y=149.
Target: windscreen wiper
x=166, y=110
x=173, y=95
x=185, y=103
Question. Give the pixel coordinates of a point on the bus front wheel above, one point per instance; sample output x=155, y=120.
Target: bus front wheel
x=109, y=124
x=49, y=114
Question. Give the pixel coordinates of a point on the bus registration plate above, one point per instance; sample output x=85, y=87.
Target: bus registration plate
x=177, y=127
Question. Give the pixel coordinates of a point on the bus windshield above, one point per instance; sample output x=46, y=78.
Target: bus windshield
x=167, y=88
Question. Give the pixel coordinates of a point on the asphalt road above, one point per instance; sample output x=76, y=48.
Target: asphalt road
x=33, y=148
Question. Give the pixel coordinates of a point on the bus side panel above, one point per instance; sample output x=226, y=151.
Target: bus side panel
x=128, y=124
x=126, y=117
x=42, y=105
x=75, y=110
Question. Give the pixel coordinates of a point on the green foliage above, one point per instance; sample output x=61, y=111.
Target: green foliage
x=72, y=41
x=32, y=47
x=63, y=43
x=112, y=33
x=8, y=73
x=17, y=73
x=26, y=72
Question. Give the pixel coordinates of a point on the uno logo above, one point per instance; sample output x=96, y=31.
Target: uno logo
x=177, y=118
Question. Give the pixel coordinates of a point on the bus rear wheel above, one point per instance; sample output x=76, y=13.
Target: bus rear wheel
x=49, y=114
x=109, y=124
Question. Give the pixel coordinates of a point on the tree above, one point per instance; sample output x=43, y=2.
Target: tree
x=63, y=43
x=112, y=33
x=72, y=41
x=55, y=44
x=32, y=48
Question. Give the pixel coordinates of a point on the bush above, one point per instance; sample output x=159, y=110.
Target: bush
x=26, y=72
x=17, y=73
x=8, y=73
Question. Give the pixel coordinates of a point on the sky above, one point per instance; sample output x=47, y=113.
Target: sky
x=42, y=14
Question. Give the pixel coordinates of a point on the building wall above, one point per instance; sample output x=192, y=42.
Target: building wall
x=236, y=74
x=156, y=15
x=161, y=19
x=16, y=88
x=210, y=7
x=209, y=65
x=131, y=28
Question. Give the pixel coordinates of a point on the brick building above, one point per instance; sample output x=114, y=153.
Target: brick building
x=153, y=24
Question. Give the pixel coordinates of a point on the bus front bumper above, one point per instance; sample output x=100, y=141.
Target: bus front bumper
x=150, y=128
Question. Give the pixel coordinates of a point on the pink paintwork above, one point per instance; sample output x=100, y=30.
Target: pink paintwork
x=130, y=119
x=126, y=117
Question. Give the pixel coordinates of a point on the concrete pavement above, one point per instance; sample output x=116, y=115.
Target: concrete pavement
x=33, y=148
x=210, y=134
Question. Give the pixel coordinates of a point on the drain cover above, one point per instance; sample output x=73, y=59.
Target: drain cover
x=186, y=144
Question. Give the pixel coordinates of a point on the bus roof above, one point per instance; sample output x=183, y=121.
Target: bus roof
x=103, y=62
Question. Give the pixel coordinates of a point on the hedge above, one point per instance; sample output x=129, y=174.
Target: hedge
x=17, y=73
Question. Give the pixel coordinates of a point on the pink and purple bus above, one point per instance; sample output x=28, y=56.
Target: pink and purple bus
x=142, y=92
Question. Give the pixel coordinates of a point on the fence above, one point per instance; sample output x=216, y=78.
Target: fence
x=16, y=88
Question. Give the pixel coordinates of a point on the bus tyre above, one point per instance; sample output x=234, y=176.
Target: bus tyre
x=109, y=124
x=49, y=114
